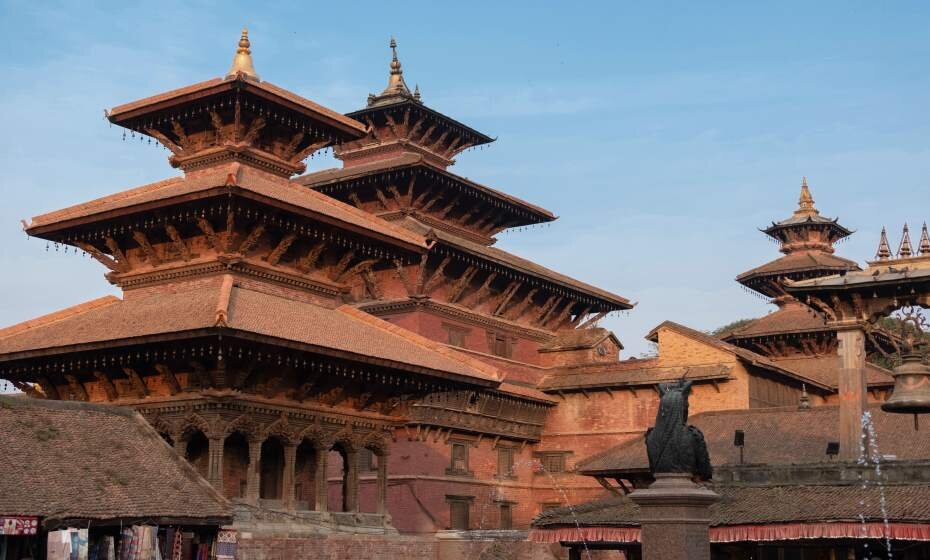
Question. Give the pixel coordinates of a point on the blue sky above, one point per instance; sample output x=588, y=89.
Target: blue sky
x=663, y=134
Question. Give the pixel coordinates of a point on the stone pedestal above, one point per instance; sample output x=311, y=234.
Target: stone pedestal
x=674, y=518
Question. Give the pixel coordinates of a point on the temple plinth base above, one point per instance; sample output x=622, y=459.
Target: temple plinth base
x=674, y=518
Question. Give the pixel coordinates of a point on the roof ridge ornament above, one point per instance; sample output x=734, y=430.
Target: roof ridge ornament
x=884, y=250
x=806, y=201
x=924, y=248
x=396, y=83
x=242, y=61
x=904, y=249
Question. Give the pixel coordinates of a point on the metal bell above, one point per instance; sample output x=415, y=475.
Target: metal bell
x=911, y=394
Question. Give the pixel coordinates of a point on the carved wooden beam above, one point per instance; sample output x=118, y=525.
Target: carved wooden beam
x=333, y=397
x=371, y=284
x=303, y=392
x=430, y=203
x=49, y=388
x=372, y=129
x=593, y=320
x=178, y=242
x=506, y=296
x=547, y=310
x=312, y=147
x=108, y=387
x=146, y=247
x=579, y=317
x=826, y=309
x=464, y=218
x=461, y=148
x=274, y=257
x=217, y=122
x=165, y=141
x=341, y=266
x=406, y=121
x=546, y=306
x=207, y=228
x=178, y=130
x=230, y=237
x=402, y=276
x=437, y=143
x=356, y=269
x=116, y=251
x=392, y=124
x=478, y=295
x=426, y=134
x=171, y=381
x=249, y=242
x=77, y=389
x=451, y=149
x=520, y=308
x=100, y=256
x=448, y=207
x=408, y=196
x=137, y=382
x=383, y=199
x=418, y=201
x=398, y=198
x=436, y=277
x=355, y=200
x=421, y=274
x=308, y=261
x=288, y=150
x=363, y=400
x=562, y=316
x=416, y=127
x=458, y=288
x=256, y=126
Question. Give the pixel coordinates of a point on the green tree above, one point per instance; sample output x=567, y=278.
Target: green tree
x=729, y=328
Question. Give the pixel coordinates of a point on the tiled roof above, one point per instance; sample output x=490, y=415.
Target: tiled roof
x=332, y=176
x=181, y=94
x=525, y=392
x=747, y=356
x=800, y=262
x=774, y=436
x=78, y=461
x=577, y=339
x=514, y=262
x=628, y=373
x=792, y=317
x=245, y=179
x=345, y=330
x=767, y=505
x=825, y=369
x=910, y=272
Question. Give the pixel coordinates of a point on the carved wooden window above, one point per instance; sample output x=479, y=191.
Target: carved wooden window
x=458, y=512
x=367, y=461
x=553, y=462
x=456, y=335
x=500, y=344
x=459, y=462
x=506, y=516
x=505, y=462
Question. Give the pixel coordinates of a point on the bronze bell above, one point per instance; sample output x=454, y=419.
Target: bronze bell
x=911, y=394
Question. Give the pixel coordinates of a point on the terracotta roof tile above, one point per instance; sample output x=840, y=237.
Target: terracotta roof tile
x=800, y=262
x=64, y=460
x=190, y=308
x=620, y=375
x=774, y=436
x=790, y=318
x=577, y=339
x=825, y=369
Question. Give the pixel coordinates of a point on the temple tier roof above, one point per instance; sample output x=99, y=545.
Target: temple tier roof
x=806, y=238
x=237, y=118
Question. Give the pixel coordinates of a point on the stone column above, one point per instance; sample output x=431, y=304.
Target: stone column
x=253, y=477
x=322, y=485
x=852, y=390
x=350, y=482
x=674, y=518
x=287, y=482
x=215, y=462
x=382, y=482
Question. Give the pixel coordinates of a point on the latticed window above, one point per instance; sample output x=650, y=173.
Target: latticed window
x=553, y=462
x=367, y=461
x=459, y=463
x=458, y=512
x=505, y=461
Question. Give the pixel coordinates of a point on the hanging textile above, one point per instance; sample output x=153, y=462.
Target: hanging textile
x=227, y=544
x=59, y=545
x=177, y=545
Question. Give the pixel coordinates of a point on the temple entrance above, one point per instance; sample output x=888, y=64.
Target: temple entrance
x=235, y=466
x=305, y=476
x=197, y=451
x=369, y=481
x=337, y=466
x=272, y=470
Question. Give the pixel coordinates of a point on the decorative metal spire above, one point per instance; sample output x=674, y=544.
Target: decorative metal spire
x=416, y=92
x=904, y=249
x=804, y=402
x=242, y=61
x=806, y=201
x=396, y=82
x=924, y=249
x=884, y=250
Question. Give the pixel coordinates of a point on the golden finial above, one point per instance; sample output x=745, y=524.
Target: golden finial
x=242, y=62
x=924, y=249
x=904, y=249
x=806, y=201
x=396, y=82
x=884, y=250
x=416, y=92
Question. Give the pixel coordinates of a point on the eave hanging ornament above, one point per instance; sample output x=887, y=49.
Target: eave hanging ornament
x=911, y=393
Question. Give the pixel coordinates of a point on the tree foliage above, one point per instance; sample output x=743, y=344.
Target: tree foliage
x=725, y=330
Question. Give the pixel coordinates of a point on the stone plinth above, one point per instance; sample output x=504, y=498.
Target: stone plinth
x=674, y=518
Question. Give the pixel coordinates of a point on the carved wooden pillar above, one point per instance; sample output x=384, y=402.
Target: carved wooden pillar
x=287, y=482
x=852, y=390
x=322, y=486
x=382, y=482
x=215, y=462
x=350, y=482
x=253, y=478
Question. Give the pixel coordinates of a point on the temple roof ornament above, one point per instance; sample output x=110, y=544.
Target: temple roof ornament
x=242, y=61
x=884, y=249
x=806, y=201
x=904, y=248
x=396, y=90
x=924, y=248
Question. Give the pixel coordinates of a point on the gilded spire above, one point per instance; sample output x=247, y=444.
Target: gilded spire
x=904, y=249
x=884, y=250
x=396, y=82
x=242, y=61
x=924, y=249
x=806, y=201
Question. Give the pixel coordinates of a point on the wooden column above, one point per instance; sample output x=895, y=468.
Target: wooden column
x=322, y=485
x=382, y=482
x=852, y=390
x=350, y=482
x=253, y=480
x=287, y=483
x=215, y=462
